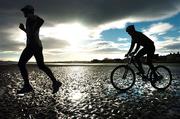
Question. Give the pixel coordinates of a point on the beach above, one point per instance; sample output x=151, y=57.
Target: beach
x=86, y=93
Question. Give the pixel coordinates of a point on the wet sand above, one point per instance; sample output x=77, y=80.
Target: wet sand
x=86, y=94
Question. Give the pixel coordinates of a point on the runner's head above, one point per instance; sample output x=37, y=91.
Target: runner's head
x=28, y=9
x=130, y=29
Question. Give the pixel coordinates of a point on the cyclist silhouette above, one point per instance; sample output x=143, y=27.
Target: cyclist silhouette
x=140, y=39
x=33, y=48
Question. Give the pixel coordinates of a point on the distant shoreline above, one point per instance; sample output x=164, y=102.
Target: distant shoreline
x=170, y=58
x=78, y=63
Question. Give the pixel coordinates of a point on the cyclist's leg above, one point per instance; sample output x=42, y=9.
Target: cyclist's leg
x=40, y=61
x=150, y=55
x=141, y=53
x=25, y=56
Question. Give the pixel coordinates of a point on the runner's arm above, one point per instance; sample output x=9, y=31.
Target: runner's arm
x=39, y=23
x=21, y=26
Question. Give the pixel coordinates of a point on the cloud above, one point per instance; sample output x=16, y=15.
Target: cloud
x=100, y=15
x=50, y=43
x=158, y=28
x=96, y=15
x=101, y=44
x=171, y=44
x=123, y=39
x=9, y=56
x=96, y=12
x=168, y=45
x=7, y=44
x=107, y=50
x=104, y=47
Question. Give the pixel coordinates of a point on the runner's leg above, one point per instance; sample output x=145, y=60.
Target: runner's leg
x=40, y=61
x=25, y=56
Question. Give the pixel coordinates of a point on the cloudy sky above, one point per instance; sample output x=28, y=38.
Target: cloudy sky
x=90, y=29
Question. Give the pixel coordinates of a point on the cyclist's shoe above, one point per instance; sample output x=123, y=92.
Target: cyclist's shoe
x=56, y=86
x=140, y=73
x=157, y=78
x=144, y=78
x=26, y=89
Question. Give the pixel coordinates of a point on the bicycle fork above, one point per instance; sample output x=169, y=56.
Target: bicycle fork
x=125, y=73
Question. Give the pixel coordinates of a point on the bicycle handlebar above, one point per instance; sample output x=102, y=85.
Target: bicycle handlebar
x=130, y=57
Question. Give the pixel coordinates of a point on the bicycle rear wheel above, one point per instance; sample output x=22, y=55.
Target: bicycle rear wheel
x=163, y=77
x=122, y=77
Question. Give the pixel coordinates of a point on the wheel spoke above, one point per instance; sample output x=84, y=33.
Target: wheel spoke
x=122, y=77
x=163, y=78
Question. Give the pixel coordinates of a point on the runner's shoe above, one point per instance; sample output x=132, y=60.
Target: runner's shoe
x=56, y=86
x=25, y=89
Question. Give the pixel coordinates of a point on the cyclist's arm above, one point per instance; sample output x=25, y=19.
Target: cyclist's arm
x=137, y=48
x=131, y=47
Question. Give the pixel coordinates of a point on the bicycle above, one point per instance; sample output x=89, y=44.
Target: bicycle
x=123, y=76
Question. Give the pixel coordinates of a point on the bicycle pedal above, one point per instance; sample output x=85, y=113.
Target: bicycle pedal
x=145, y=79
x=138, y=73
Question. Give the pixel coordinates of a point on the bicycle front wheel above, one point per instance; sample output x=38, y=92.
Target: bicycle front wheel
x=122, y=78
x=162, y=77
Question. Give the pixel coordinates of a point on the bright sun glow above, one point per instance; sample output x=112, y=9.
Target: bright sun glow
x=17, y=35
x=74, y=33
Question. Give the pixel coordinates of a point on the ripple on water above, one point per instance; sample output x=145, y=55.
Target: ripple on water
x=86, y=93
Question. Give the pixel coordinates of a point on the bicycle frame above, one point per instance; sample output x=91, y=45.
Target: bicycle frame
x=133, y=61
x=127, y=74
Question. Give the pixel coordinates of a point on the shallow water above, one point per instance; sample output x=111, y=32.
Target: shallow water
x=86, y=93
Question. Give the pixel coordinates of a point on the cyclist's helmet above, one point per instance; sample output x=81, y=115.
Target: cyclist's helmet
x=130, y=28
x=28, y=8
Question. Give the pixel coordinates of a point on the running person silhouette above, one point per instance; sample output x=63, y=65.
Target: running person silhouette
x=33, y=48
x=140, y=39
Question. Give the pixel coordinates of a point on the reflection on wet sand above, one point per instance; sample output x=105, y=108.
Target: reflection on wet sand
x=86, y=93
